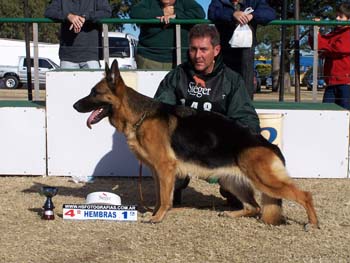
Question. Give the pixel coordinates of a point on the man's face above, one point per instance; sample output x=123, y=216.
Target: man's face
x=341, y=17
x=202, y=54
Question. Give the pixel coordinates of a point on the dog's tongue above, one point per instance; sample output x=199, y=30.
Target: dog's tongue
x=92, y=117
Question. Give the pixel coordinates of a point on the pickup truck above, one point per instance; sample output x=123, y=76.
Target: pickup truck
x=15, y=76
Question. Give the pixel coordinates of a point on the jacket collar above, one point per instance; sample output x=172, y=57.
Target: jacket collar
x=219, y=64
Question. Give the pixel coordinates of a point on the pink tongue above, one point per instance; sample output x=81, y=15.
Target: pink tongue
x=92, y=117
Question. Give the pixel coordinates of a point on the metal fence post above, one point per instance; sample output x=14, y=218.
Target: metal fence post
x=105, y=44
x=178, y=44
x=36, y=61
x=315, y=65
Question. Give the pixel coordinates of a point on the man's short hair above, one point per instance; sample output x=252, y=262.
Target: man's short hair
x=205, y=30
x=344, y=8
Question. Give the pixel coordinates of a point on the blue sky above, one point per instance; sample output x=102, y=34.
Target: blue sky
x=203, y=3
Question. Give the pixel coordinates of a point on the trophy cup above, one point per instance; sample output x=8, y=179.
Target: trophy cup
x=48, y=207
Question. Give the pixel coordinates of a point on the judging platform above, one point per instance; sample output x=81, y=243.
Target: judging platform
x=53, y=139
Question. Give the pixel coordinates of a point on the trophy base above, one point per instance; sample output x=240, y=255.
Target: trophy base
x=48, y=215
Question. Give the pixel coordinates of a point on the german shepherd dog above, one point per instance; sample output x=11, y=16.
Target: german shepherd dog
x=177, y=141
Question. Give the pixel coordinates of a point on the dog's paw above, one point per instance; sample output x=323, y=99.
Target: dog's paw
x=230, y=214
x=148, y=218
x=223, y=214
x=148, y=222
x=151, y=221
x=308, y=227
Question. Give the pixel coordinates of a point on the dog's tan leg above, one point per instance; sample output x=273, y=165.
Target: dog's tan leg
x=156, y=186
x=239, y=186
x=247, y=211
x=272, y=210
x=304, y=198
x=268, y=174
x=291, y=192
x=166, y=180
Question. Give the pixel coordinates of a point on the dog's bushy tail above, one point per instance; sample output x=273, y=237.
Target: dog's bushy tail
x=271, y=210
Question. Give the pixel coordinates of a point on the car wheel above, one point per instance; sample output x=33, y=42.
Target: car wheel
x=11, y=82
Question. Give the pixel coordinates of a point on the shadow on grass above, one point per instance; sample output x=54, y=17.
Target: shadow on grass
x=129, y=191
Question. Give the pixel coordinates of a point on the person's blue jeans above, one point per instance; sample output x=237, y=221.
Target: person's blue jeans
x=338, y=94
x=92, y=64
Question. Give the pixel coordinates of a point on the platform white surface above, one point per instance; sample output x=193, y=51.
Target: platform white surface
x=22, y=141
x=315, y=143
x=74, y=149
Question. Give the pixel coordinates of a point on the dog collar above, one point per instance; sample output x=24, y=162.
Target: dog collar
x=140, y=121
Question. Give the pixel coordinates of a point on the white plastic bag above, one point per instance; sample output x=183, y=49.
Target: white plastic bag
x=243, y=35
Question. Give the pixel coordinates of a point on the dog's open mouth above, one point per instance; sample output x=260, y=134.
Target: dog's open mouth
x=97, y=115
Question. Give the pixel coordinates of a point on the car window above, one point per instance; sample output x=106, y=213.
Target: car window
x=25, y=62
x=119, y=47
x=43, y=63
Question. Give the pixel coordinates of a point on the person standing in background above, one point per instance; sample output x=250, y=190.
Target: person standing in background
x=334, y=47
x=81, y=35
x=227, y=15
x=157, y=42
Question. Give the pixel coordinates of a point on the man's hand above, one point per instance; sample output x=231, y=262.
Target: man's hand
x=242, y=17
x=169, y=10
x=77, y=22
x=166, y=19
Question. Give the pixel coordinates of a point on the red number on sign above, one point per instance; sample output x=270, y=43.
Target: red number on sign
x=70, y=213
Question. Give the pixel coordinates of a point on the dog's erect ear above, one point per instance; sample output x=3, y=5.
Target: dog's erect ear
x=113, y=74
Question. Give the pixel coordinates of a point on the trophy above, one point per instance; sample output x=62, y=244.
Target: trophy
x=48, y=207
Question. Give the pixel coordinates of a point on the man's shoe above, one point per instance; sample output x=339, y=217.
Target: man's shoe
x=180, y=184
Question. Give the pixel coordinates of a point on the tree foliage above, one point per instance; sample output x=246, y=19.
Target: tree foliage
x=269, y=37
x=324, y=9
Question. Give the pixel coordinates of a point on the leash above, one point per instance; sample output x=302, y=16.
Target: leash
x=142, y=203
x=140, y=189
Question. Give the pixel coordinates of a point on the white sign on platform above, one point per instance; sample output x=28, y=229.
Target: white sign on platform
x=100, y=212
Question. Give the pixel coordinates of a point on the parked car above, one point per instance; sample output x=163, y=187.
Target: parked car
x=268, y=83
x=308, y=80
x=321, y=84
x=122, y=46
x=14, y=76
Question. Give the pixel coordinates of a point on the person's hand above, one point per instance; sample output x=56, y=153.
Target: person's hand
x=166, y=19
x=76, y=29
x=169, y=10
x=317, y=28
x=77, y=22
x=242, y=17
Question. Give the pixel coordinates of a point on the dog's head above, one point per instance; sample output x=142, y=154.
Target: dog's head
x=103, y=99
